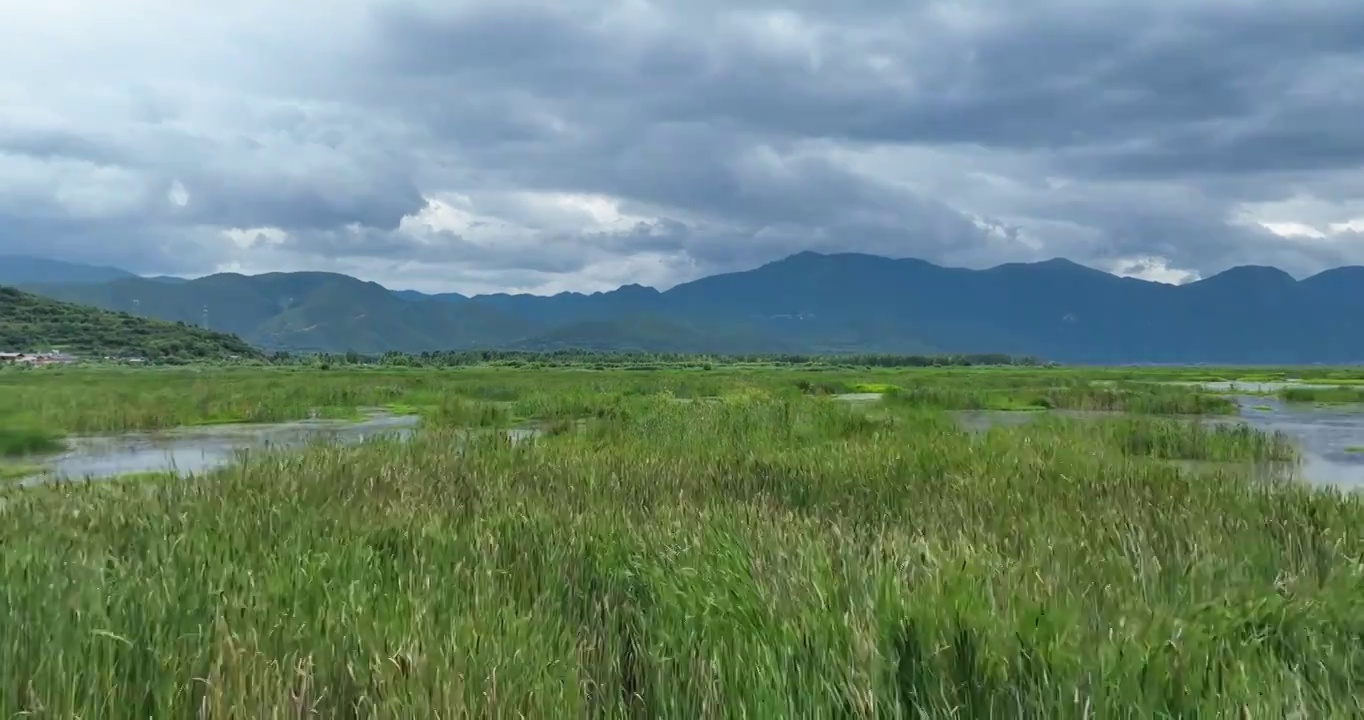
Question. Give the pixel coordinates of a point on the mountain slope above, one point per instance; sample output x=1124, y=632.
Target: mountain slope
x=25, y=269
x=304, y=311
x=32, y=323
x=446, y=297
x=652, y=333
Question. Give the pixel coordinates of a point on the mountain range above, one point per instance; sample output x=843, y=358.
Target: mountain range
x=25, y=269
x=808, y=303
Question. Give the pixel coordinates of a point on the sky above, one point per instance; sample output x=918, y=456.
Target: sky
x=514, y=145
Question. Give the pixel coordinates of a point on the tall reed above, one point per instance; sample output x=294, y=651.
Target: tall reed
x=756, y=556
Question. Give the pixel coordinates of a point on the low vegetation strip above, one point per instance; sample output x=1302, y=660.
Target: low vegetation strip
x=81, y=401
x=1329, y=395
x=14, y=471
x=17, y=441
x=763, y=554
x=1145, y=398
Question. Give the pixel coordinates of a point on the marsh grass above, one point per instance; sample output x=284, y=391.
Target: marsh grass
x=17, y=440
x=17, y=471
x=1183, y=440
x=460, y=412
x=80, y=401
x=1141, y=399
x=1137, y=398
x=94, y=402
x=760, y=556
x=1332, y=395
x=871, y=387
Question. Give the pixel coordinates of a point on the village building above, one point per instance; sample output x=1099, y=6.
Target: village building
x=48, y=358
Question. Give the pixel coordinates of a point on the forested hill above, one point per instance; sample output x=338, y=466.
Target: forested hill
x=32, y=323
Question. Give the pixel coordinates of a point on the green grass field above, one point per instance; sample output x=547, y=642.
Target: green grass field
x=760, y=550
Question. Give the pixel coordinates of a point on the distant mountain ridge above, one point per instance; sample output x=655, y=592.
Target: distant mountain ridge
x=808, y=302
x=26, y=269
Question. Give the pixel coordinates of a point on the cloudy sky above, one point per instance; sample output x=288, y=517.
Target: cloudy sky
x=483, y=145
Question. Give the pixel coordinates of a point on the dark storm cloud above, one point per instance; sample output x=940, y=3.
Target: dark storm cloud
x=736, y=132
x=1021, y=75
x=1326, y=139
x=152, y=250
x=295, y=171
x=370, y=243
x=689, y=108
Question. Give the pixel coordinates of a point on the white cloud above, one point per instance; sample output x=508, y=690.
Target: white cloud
x=1155, y=269
x=177, y=195
x=1293, y=230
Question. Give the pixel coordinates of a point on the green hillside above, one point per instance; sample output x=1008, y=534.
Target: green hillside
x=29, y=323
x=304, y=311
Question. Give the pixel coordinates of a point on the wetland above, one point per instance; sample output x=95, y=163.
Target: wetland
x=681, y=542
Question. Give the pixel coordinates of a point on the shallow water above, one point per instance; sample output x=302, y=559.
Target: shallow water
x=858, y=397
x=194, y=450
x=1324, y=435
x=1267, y=387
